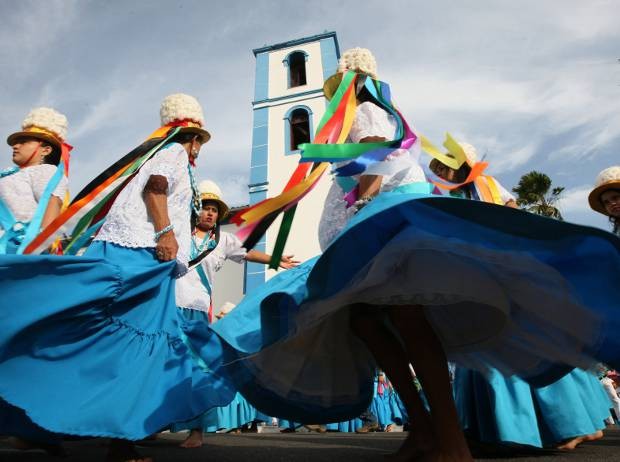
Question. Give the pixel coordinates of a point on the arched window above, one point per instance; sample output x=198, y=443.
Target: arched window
x=300, y=128
x=296, y=68
x=297, y=128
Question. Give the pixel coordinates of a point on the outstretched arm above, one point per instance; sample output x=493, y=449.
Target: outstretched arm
x=257, y=256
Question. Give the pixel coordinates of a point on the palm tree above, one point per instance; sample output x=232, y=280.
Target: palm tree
x=533, y=195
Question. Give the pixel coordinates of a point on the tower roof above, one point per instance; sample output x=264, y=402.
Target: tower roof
x=299, y=41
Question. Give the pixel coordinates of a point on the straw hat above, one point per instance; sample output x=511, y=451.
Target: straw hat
x=358, y=60
x=181, y=110
x=42, y=123
x=606, y=180
x=210, y=191
x=460, y=151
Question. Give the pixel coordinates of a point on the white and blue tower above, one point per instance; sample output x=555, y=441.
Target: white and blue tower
x=288, y=105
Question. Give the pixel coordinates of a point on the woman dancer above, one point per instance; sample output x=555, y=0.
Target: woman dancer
x=605, y=197
x=32, y=192
x=210, y=248
x=497, y=409
x=391, y=277
x=107, y=352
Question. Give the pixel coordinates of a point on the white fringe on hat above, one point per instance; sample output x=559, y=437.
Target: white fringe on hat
x=48, y=119
x=608, y=175
x=359, y=60
x=209, y=187
x=470, y=152
x=180, y=106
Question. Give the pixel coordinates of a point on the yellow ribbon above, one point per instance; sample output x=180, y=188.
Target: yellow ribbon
x=276, y=203
x=455, y=157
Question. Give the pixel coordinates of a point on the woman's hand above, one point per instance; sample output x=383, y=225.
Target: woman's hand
x=167, y=247
x=287, y=262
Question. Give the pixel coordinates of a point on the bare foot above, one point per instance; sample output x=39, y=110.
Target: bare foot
x=389, y=428
x=194, y=440
x=571, y=444
x=124, y=451
x=594, y=436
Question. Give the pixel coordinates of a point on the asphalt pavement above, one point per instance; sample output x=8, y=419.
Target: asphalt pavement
x=299, y=447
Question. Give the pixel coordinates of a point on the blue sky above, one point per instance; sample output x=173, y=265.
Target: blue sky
x=533, y=85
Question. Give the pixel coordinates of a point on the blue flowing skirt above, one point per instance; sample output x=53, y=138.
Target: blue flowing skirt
x=502, y=288
x=92, y=345
x=497, y=409
x=235, y=414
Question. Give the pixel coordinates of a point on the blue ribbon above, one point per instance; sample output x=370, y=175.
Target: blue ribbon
x=360, y=164
x=34, y=227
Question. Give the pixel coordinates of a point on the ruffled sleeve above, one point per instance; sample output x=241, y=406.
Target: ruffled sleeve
x=40, y=176
x=234, y=249
x=169, y=162
x=371, y=120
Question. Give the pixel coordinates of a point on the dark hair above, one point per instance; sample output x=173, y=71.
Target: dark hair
x=364, y=96
x=462, y=173
x=185, y=137
x=616, y=225
x=53, y=158
x=615, y=221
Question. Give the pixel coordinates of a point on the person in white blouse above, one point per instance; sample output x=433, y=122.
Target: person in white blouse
x=194, y=291
x=153, y=212
x=605, y=197
x=34, y=188
x=610, y=388
x=467, y=191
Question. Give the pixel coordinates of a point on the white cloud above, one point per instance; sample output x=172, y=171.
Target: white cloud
x=575, y=200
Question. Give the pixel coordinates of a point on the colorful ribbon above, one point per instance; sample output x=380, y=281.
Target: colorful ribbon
x=328, y=146
x=88, y=209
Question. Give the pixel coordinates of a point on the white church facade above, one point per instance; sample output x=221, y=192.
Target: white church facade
x=288, y=105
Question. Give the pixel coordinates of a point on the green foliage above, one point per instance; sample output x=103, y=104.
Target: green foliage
x=533, y=195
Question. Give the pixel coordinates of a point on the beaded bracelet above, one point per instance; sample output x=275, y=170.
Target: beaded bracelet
x=163, y=231
x=362, y=202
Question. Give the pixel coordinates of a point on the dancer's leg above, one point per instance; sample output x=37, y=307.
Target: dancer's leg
x=430, y=363
x=392, y=358
x=194, y=440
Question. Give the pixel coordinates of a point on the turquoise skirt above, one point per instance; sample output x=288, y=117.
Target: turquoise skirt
x=235, y=414
x=497, y=409
x=92, y=345
x=502, y=288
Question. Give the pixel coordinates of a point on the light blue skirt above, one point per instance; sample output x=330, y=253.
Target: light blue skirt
x=91, y=345
x=497, y=409
x=237, y=413
x=501, y=287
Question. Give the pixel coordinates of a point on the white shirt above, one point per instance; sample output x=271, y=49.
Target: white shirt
x=22, y=191
x=190, y=292
x=504, y=194
x=128, y=223
x=608, y=385
x=400, y=167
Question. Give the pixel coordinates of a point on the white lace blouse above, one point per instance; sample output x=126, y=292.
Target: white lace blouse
x=190, y=292
x=22, y=191
x=128, y=223
x=400, y=167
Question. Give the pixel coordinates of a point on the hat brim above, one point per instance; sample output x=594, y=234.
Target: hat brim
x=594, y=198
x=205, y=135
x=11, y=139
x=222, y=208
x=331, y=85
